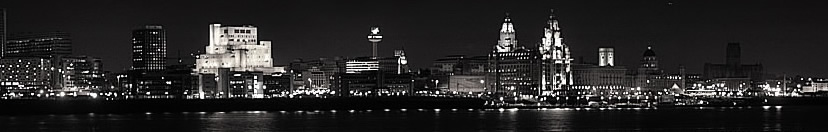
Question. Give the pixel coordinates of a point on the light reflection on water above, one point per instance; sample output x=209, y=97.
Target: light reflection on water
x=770, y=118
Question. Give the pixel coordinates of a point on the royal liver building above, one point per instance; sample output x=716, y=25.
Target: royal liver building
x=556, y=60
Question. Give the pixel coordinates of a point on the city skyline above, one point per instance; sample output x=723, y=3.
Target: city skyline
x=663, y=24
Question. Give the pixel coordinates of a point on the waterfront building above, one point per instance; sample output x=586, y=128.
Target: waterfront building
x=556, y=60
x=515, y=73
x=319, y=74
x=78, y=75
x=232, y=50
x=815, y=86
x=592, y=79
x=41, y=44
x=507, y=41
x=25, y=76
x=237, y=48
x=149, y=48
x=606, y=56
x=362, y=64
x=444, y=68
x=82, y=74
x=733, y=69
x=650, y=79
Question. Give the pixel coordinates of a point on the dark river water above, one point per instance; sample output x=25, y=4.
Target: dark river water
x=768, y=118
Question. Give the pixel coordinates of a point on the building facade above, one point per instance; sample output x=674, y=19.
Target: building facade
x=26, y=76
x=149, y=48
x=556, y=59
x=45, y=44
x=237, y=48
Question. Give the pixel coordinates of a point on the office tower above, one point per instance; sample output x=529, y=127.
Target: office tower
x=555, y=57
x=80, y=73
x=515, y=73
x=237, y=48
x=2, y=32
x=45, y=44
x=149, y=48
x=375, y=37
x=606, y=56
x=507, y=41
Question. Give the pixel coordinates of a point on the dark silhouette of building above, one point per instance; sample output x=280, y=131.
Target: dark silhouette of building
x=733, y=74
x=733, y=67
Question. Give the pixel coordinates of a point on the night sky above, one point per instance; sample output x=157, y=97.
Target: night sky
x=786, y=36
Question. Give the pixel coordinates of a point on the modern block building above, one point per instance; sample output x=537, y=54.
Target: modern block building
x=42, y=44
x=149, y=48
x=515, y=72
x=25, y=76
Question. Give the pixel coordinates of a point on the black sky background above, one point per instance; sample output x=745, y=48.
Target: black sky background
x=786, y=36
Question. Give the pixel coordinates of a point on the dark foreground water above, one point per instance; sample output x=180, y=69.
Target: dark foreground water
x=769, y=118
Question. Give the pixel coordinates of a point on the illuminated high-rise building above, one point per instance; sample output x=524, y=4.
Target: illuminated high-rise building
x=507, y=41
x=149, y=48
x=236, y=48
x=606, y=56
x=556, y=60
x=2, y=32
x=375, y=37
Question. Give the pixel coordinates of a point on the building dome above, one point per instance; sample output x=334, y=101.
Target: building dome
x=649, y=51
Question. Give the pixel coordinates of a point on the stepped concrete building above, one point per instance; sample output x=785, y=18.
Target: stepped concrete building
x=236, y=48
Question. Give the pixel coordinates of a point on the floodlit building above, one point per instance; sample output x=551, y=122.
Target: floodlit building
x=237, y=48
x=606, y=56
x=816, y=86
x=555, y=58
x=362, y=64
x=234, y=49
x=507, y=41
